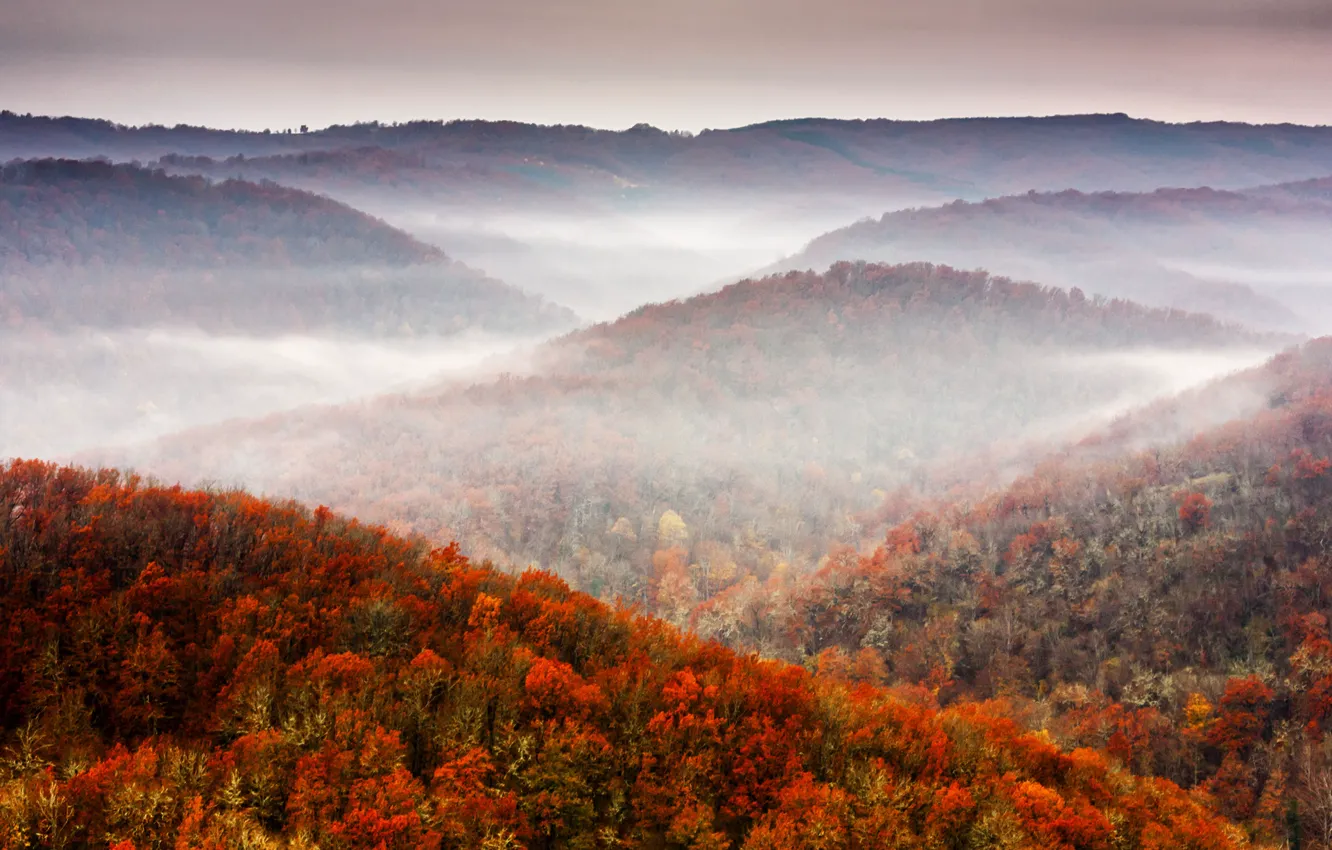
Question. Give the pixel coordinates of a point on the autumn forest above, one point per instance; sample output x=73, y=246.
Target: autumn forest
x=815, y=484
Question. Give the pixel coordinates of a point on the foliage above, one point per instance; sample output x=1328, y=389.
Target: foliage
x=210, y=670
x=1168, y=606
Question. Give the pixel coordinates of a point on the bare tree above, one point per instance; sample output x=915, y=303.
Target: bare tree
x=1315, y=790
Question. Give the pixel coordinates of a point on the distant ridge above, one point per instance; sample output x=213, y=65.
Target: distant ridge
x=1151, y=246
x=74, y=211
x=944, y=158
x=113, y=245
x=1090, y=118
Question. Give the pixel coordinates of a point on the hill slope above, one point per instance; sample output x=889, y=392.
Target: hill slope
x=113, y=245
x=93, y=212
x=1252, y=256
x=752, y=424
x=192, y=669
x=1172, y=604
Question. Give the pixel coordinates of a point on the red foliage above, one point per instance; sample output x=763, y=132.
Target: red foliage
x=353, y=689
x=1195, y=511
x=1242, y=716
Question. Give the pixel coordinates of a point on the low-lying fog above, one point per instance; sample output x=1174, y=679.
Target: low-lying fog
x=1275, y=275
x=63, y=394
x=604, y=265
x=1158, y=373
x=1303, y=287
x=533, y=477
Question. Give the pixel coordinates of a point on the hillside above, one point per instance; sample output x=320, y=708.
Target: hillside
x=72, y=212
x=92, y=243
x=1253, y=256
x=1171, y=604
x=1318, y=190
x=192, y=669
x=752, y=426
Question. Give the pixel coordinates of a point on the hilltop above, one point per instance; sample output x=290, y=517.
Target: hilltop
x=755, y=423
x=94, y=243
x=95, y=212
x=1201, y=249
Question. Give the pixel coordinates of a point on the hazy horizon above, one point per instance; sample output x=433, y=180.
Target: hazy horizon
x=693, y=66
x=631, y=124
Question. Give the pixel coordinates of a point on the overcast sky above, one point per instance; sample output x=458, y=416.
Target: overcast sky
x=683, y=64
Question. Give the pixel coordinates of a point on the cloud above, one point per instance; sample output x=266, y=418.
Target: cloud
x=1303, y=16
x=375, y=30
x=685, y=64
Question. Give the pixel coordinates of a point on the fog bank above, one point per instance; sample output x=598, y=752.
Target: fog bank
x=69, y=393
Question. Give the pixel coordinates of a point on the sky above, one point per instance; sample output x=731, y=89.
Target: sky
x=677, y=64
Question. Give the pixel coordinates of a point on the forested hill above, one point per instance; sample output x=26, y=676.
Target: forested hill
x=1056, y=217
x=97, y=213
x=754, y=424
x=1201, y=249
x=90, y=243
x=209, y=670
x=1317, y=190
x=1171, y=604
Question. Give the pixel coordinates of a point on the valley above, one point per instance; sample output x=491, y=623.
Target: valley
x=811, y=484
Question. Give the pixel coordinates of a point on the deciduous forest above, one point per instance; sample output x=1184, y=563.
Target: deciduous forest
x=213, y=670
x=761, y=422
x=1165, y=605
